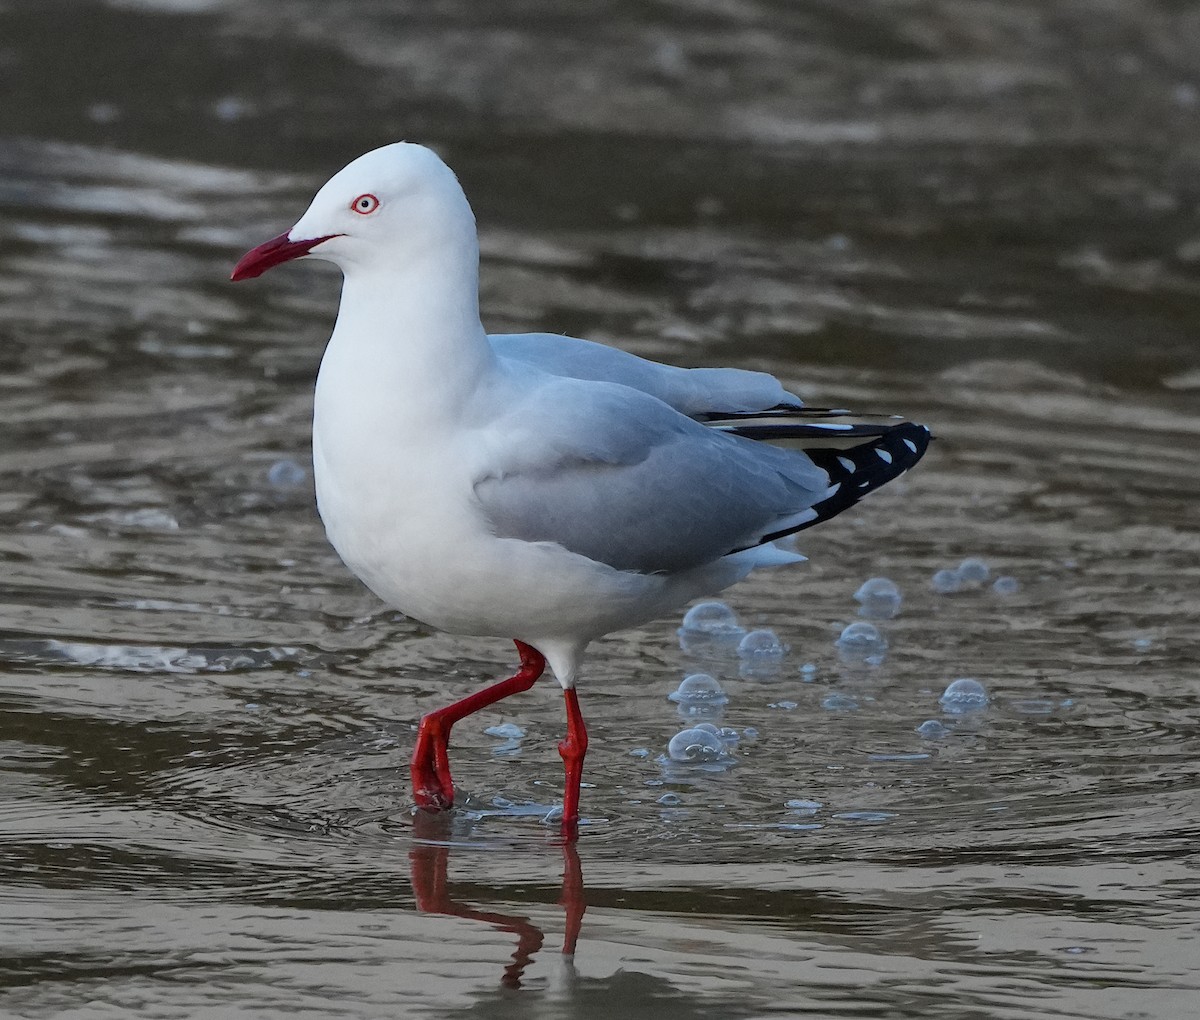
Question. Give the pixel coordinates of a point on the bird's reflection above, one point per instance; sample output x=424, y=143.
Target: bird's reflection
x=430, y=857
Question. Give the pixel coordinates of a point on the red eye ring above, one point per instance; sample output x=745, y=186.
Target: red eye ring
x=364, y=205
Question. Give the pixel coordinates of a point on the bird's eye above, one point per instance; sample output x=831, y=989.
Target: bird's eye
x=364, y=205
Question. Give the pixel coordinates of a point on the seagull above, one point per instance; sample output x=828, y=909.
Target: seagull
x=533, y=486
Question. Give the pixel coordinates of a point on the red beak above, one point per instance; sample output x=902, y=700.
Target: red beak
x=271, y=253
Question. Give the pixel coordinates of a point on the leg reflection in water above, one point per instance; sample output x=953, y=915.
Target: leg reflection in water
x=430, y=858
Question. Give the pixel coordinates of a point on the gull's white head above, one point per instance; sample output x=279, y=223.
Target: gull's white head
x=390, y=206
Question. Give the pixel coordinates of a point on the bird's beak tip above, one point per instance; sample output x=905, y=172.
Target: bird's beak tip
x=272, y=253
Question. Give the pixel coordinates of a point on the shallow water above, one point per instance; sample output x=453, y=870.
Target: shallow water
x=983, y=217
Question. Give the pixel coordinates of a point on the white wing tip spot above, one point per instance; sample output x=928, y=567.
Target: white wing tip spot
x=911, y=445
x=847, y=463
x=884, y=456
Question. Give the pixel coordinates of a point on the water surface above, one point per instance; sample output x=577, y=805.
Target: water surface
x=983, y=217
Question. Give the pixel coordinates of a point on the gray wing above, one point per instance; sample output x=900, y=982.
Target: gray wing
x=615, y=475
x=692, y=391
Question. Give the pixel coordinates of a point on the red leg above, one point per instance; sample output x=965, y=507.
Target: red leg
x=572, y=750
x=432, y=786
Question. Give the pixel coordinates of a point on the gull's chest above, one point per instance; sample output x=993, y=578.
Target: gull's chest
x=388, y=496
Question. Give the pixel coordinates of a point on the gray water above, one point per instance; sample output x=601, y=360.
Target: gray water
x=983, y=216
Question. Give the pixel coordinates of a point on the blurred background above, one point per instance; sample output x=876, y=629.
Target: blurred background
x=981, y=214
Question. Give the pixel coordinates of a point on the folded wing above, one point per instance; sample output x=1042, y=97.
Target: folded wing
x=616, y=475
x=691, y=391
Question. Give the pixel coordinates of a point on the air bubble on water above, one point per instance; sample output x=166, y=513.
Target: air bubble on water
x=506, y=731
x=103, y=113
x=946, y=582
x=713, y=618
x=973, y=570
x=640, y=752
x=697, y=745
x=964, y=695
x=785, y=706
x=808, y=671
x=1033, y=706
x=710, y=626
x=750, y=733
x=699, y=689
x=1143, y=643
x=805, y=808
x=1006, y=585
x=146, y=519
x=729, y=735
x=510, y=735
x=286, y=474
x=761, y=645
x=230, y=109
x=879, y=597
x=151, y=658
x=861, y=642
x=670, y=800
x=866, y=816
x=934, y=729
x=839, y=703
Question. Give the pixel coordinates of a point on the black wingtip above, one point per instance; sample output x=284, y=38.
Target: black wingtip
x=861, y=469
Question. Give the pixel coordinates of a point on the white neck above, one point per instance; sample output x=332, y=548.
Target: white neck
x=407, y=339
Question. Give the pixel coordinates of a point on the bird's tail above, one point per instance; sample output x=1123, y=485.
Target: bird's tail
x=858, y=456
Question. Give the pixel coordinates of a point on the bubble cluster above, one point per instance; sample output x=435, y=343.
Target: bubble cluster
x=970, y=573
x=697, y=745
x=879, y=598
